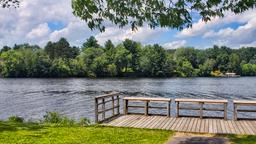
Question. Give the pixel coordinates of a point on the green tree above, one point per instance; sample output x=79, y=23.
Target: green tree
x=155, y=13
x=109, y=45
x=100, y=66
x=207, y=67
x=91, y=42
x=5, y=49
x=249, y=69
x=112, y=70
x=77, y=68
x=13, y=64
x=134, y=49
x=234, y=63
x=253, y=60
x=59, y=68
x=185, y=69
x=188, y=53
x=153, y=61
x=88, y=56
x=61, y=49
x=122, y=58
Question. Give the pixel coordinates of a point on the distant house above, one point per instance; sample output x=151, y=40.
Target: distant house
x=231, y=75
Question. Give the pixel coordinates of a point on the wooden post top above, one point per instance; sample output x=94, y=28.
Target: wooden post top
x=147, y=99
x=201, y=100
x=108, y=95
x=244, y=101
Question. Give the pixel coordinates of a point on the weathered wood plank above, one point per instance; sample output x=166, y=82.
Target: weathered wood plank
x=171, y=122
x=158, y=123
x=186, y=124
x=201, y=100
x=141, y=121
x=190, y=127
x=244, y=102
x=235, y=126
x=147, y=99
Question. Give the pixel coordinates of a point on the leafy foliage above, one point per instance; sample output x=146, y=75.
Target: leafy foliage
x=9, y=3
x=56, y=118
x=127, y=59
x=16, y=119
x=155, y=13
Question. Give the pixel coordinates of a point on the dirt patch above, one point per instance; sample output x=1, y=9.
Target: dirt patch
x=188, y=138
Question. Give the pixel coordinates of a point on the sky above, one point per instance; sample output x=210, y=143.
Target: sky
x=40, y=21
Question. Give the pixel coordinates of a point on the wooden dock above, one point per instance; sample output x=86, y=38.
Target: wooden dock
x=185, y=124
x=107, y=112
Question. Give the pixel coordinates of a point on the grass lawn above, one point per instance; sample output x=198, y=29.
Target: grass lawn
x=242, y=139
x=34, y=133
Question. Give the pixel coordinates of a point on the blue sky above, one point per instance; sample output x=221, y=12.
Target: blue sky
x=40, y=21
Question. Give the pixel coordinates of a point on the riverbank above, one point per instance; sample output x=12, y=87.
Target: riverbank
x=35, y=133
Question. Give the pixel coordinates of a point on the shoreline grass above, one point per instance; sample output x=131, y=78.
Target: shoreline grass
x=35, y=133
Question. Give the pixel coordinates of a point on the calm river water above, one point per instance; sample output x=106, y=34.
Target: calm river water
x=31, y=98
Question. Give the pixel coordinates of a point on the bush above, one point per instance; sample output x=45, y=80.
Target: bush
x=84, y=122
x=16, y=119
x=52, y=117
x=56, y=118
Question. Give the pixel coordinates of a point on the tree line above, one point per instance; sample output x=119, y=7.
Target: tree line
x=127, y=59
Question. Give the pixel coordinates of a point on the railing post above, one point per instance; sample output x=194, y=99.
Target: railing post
x=225, y=111
x=201, y=110
x=96, y=110
x=169, y=109
x=177, y=109
x=235, y=111
x=103, y=108
x=125, y=107
x=146, y=108
x=113, y=105
x=118, y=104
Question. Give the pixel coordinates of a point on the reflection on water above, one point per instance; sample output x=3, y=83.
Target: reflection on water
x=31, y=98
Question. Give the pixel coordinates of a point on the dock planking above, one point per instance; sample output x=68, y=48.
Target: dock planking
x=186, y=124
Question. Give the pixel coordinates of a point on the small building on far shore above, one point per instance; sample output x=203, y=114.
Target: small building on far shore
x=228, y=74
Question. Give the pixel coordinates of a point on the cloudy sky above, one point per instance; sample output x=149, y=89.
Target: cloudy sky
x=40, y=21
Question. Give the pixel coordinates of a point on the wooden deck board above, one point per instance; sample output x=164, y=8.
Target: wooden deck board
x=186, y=124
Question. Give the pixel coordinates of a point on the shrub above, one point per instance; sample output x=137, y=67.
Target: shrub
x=16, y=119
x=84, y=122
x=52, y=117
x=56, y=118
x=67, y=121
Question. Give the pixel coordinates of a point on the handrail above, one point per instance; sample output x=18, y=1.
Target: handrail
x=102, y=100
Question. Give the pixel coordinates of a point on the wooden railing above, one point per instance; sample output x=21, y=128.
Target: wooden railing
x=146, y=107
x=101, y=107
x=244, y=103
x=201, y=103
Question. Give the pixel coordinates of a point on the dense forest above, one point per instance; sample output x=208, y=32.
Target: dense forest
x=127, y=59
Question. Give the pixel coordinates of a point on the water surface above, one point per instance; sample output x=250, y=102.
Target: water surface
x=31, y=98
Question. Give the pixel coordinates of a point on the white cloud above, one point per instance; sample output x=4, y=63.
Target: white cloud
x=235, y=37
x=175, y=44
x=38, y=32
x=201, y=27
x=116, y=35
x=29, y=23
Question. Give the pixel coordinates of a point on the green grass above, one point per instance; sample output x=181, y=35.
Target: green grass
x=242, y=139
x=32, y=133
